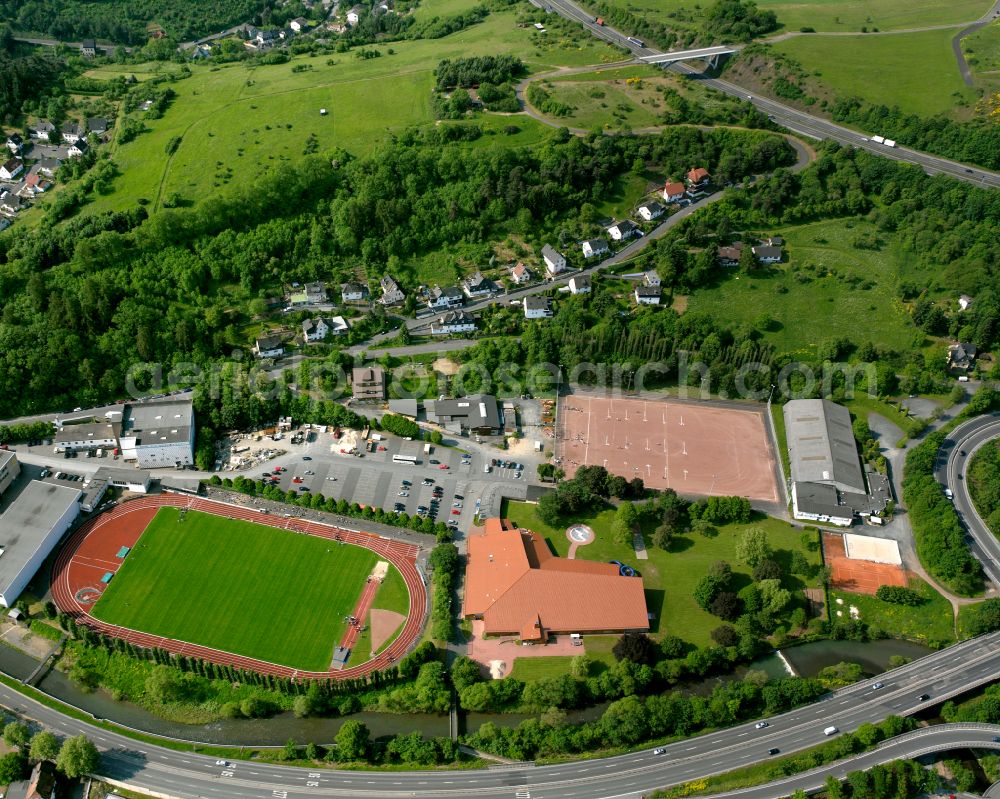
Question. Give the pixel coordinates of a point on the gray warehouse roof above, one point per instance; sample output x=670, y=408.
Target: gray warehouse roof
x=821, y=446
x=159, y=422
x=27, y=522
x=478, y=410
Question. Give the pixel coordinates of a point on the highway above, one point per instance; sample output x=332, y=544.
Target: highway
x=953, y=461
x=185, y=775
x=792, y=119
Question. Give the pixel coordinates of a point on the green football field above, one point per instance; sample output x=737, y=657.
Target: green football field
x=240, y=587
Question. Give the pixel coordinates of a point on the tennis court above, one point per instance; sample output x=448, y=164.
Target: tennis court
x=696, y=448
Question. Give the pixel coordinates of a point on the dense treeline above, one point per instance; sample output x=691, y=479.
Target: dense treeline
x=468, y=72
x=25, y=79
x=444, y=563
x=126, y=21
x=940, y=539
x=984, y=484
x=884, y=781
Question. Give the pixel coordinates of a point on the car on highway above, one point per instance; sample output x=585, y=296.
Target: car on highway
x=221, y=763
x=923, y=697
x=761, y=725
x=773, y=751
x=659, y=751
x=948, y=493
x=877, y=686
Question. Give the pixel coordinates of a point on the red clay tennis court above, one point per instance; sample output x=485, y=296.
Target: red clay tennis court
x=693, y=447
x=858, y=576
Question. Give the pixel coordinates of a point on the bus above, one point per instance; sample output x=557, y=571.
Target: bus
x=410, y=460
x=636, y=42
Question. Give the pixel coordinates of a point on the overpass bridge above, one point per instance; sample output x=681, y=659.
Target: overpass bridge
x=710, y=54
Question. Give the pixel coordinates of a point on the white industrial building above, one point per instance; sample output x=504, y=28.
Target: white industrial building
x=158, y=434
x=9, y=469
x=29, y=530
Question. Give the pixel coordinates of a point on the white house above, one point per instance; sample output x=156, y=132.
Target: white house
x=10, y=204
x=651, y=210
x=673, y=191
x=88, y=48
x=15, y=144
x=651, y=278
x=647, y=295
x=43, y=130
x=11, y=169
x=78, y=149
x=622, y=231
x=537, y=307
x=299, y=24
x=478, y=286
x=520, y=274
x=964, y=302
x=48, y=166
x=319, y=328
x=392, y=294
x=444, y=299
x=580, y=284
x=268, y=347
x=353, y=292
x=698, y=176
x=453, y=322
x=593, y=247
x=354, y=15
x=767, y=254
x=72, y=133
x=555, y=261
x=97, y=125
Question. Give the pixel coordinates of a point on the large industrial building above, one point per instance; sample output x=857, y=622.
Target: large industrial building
x=519, y=588
x=158, y=434
x=29, y=530
x=9, y=469
x=478, y=414
x=828, y=483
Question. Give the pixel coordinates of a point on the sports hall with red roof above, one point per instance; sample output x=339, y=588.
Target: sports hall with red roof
x=517, y=586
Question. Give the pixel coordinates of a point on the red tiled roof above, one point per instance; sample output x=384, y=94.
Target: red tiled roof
x=670, y=189
x=697, y=174
x=518, y=586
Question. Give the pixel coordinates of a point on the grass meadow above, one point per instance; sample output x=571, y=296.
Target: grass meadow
x=826, y=289
x=670, y=576
x=916, y=71
x=930, y=622
x=238, y=587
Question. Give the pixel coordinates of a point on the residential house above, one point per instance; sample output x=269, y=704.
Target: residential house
x=15, y=144
x=35, y=182
x=651, y=210
x=555, y=261
x=580, y=284
x=268, y=347
x=41, y=784
x=392, y=294
x=4, y=224
x=48, y=166
x=520, y=274
x=444, y=299
x=767, y=254
x=43, y=130
x=774, y=241
x=299, y=24
x=673, y=191
x=10, y=204
x=730, y=256
x=368, y=383
x=88, y=48
x=201, y=53
x=78, y=149
x=647, y=295
x=97, y=125
x=73, y=132
x=622, y=231
x=353, y=292
x=593, y=247
x=537, y=307
x=698, y=177
x=319, y=328
x=961, y=358
x=354, y=15
x=453, y=322
x=266, y=39
x=479, y=286
x=310, y=294
x=651, y=278
x=11, y=169
x=964, y=302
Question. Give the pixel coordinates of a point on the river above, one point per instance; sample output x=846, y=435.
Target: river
x=807, y=660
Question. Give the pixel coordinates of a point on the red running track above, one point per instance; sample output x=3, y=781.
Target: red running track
x=92, y=550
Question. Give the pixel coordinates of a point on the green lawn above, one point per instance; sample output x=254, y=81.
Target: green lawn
x=982, y=51
x=239, y=587
x=930, y=622
x=916, y=71
x=826, y=289
x=852, y=15
x=392, y=594
x=670, y=576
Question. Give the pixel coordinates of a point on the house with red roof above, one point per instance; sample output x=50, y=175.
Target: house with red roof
x=517, y=587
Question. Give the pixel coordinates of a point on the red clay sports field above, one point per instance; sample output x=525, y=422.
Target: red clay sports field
x=91, y=552
x=697, y=448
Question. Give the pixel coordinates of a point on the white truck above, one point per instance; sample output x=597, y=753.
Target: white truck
x=428, y=449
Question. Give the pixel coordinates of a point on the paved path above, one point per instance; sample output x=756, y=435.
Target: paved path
x=956, y=42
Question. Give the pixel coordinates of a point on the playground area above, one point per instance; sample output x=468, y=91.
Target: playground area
x=696, y=448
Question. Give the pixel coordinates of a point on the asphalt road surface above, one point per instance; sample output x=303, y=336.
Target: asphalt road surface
x=185, y=775
x=953, y=461
x=796, y=121
x=956, y=43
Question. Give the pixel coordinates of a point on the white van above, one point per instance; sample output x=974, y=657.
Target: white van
x=830, y=731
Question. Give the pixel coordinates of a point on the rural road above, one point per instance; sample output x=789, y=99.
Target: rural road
x=956, y=42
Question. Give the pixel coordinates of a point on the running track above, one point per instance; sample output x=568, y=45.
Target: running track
x=91, y=551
